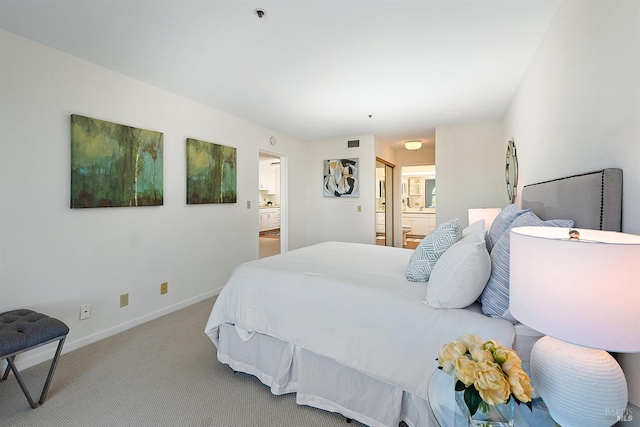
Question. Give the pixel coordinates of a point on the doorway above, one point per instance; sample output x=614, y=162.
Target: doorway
x=270, y=201
x=418, y=203
x=384, y=203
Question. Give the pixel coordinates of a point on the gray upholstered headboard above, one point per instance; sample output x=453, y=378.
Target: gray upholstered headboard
x=592, y=200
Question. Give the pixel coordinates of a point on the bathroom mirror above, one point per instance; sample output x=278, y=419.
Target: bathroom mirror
x=511, y=171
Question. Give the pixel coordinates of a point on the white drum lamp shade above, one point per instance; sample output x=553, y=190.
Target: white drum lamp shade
x=488, y=214
x=584, y=294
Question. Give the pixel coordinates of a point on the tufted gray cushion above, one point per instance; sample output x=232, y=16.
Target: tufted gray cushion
x=23, y=329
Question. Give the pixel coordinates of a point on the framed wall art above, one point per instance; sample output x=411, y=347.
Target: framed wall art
x=341, y=178
x=211, y=173
x=114, y=165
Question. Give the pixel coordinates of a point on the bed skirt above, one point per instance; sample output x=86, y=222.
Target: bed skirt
x=320, y=382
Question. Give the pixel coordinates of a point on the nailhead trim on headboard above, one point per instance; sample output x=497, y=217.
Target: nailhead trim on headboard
x=567, y=177
x=601, y=172
x=601, y=198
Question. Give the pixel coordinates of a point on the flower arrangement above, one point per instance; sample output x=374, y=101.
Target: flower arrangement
x=488, y=372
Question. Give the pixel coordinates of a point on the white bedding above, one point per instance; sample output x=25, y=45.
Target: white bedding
x=351, y=303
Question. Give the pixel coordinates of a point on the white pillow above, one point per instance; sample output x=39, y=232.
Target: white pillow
x=476, y=227
x=461, y=273
x=426, y=255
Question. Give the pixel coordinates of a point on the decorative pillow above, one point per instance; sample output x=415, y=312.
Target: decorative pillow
x=461, y=273
x=476, y=227
x=426, y=255
x=502, y=223
x=495, y=297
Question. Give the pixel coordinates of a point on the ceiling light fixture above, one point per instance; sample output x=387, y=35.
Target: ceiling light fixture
x=260, y=13
x=412, y=145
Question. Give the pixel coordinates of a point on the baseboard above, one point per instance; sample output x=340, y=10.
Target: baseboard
x=42, y=354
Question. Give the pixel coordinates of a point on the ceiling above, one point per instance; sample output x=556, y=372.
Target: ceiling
x=310, y=69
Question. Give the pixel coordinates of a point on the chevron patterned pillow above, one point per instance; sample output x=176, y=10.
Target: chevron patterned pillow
x=426, y=255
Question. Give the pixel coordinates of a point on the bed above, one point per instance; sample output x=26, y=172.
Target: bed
x=340, y=325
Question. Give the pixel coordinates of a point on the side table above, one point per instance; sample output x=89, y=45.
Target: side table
x=445, y=410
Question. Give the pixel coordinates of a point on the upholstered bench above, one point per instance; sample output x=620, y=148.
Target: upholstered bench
x=22, y=330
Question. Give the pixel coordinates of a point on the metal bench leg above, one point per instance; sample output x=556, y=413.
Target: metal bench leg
x=54, y=364
x=47, y=383
x=22, y=386
x=6, y=371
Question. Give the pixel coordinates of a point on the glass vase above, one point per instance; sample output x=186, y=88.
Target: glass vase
x=496, y=416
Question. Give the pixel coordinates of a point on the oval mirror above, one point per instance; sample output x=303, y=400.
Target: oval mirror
x=511, y=171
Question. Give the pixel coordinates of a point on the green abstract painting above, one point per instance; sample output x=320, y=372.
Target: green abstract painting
x=211, y=173
x=114, y=165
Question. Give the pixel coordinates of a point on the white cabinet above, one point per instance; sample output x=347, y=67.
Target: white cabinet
x=420, y=223
x=267, y=177
x=431, y=218
x=269, y=218
x=380, y=221
x=262, y=176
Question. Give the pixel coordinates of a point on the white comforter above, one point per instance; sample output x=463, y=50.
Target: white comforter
x=349, y=302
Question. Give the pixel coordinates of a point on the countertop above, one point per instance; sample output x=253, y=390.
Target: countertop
x=418, y=211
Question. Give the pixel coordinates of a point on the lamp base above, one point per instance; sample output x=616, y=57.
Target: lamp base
x=582, y=387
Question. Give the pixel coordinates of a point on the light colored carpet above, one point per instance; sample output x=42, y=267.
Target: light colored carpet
x=268, y=246
x=161, y=373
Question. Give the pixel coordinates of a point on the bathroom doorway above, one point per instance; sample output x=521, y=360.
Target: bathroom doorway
x=270, y=204
x=418, y=203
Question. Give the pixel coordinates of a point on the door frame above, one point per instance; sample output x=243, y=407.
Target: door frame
x=284, y=201
x=389, y=230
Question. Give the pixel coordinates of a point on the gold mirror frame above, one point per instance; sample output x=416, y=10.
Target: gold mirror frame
x=511, y=171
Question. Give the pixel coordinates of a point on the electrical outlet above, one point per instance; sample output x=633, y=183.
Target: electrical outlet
x=164, y=288
x=124, y=300
x=85, y=311
x=359, y=208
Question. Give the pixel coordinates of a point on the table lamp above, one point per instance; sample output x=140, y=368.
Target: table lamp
x=582, y=289
x=488, y=214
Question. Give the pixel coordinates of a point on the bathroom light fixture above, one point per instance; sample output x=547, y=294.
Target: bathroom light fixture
x=412, y=145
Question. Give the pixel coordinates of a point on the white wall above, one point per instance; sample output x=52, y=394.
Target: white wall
x=578, y=109
x=424, y=156
x=384, y=151
x=337, y=218
x=53, y=258
x=469, y=170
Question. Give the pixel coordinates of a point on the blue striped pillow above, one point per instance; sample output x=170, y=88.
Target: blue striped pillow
x=495, y=297
x=502, y=223
x=426, y=255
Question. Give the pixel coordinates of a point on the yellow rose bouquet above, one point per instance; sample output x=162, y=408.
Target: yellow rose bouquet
x=488, y=372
